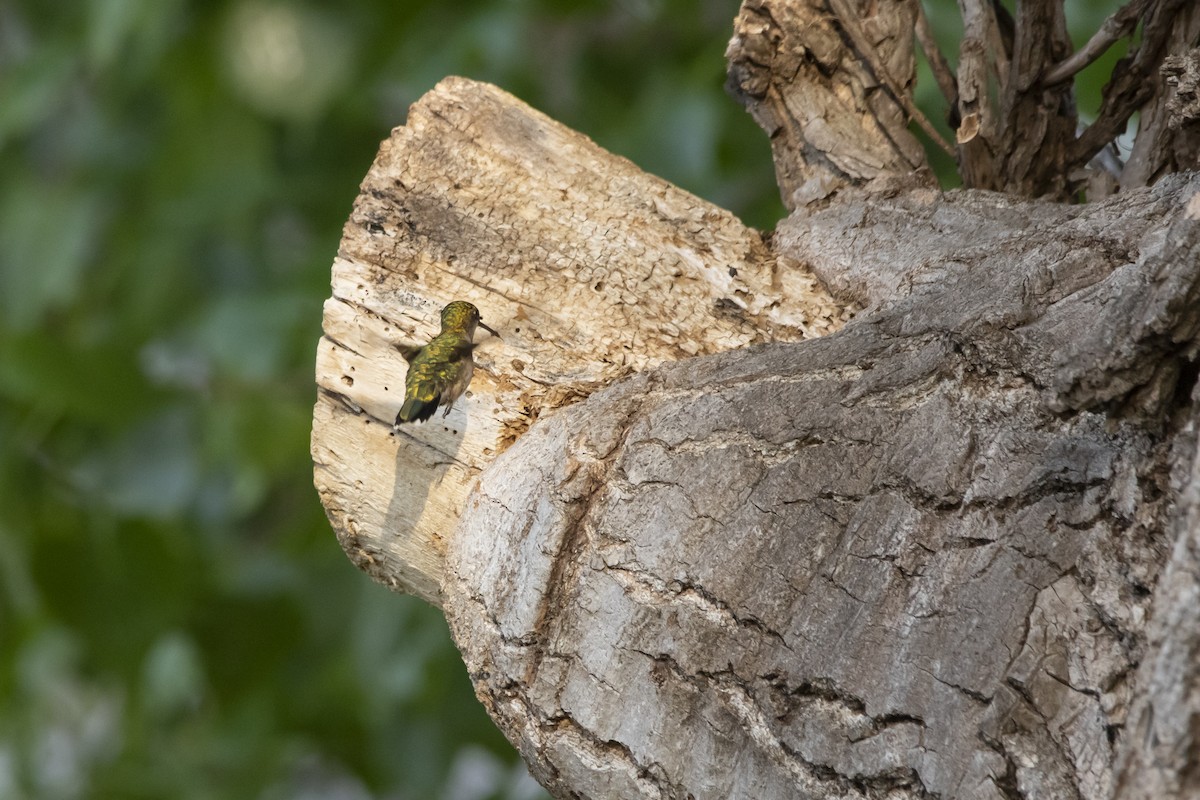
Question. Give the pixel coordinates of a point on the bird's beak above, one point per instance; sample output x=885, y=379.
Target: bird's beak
x=490, y=330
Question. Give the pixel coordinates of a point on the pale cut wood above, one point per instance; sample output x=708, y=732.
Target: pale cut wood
x=590, y=269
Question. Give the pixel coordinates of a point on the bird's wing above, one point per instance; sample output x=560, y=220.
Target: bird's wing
x=409, y=351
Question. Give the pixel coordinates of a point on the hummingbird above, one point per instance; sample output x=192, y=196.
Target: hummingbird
x=440, y=372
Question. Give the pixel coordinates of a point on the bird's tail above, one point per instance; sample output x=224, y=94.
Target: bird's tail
x=416, y=410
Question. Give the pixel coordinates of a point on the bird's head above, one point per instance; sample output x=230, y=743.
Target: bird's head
x=463, y=316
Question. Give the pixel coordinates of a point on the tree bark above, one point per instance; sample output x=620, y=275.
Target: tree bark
x=915, y=557
x=949, y=550
x=591, y=269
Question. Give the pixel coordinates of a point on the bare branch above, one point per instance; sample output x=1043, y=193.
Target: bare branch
x=1161, y=145
x=831, y=96
x=1132, y=84
x=937, y=61
x=1002, y=32
x=974, y=108
x=849, y=22
x=1116, y=27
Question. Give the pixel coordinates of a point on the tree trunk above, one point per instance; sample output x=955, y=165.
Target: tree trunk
x=950, y=550
x=592, y=269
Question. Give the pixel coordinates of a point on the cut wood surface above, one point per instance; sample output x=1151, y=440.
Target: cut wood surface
x=589, y=268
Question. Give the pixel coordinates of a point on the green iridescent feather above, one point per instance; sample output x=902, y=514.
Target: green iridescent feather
x=440, y=372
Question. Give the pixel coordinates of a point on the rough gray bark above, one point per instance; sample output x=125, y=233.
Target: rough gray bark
x=1159, y=758
x=948, y=551
x=911, y=559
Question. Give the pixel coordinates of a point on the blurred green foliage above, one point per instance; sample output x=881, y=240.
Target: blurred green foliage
x=176, y=618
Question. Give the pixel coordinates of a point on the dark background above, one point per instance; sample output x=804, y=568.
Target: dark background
x=176, y=617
